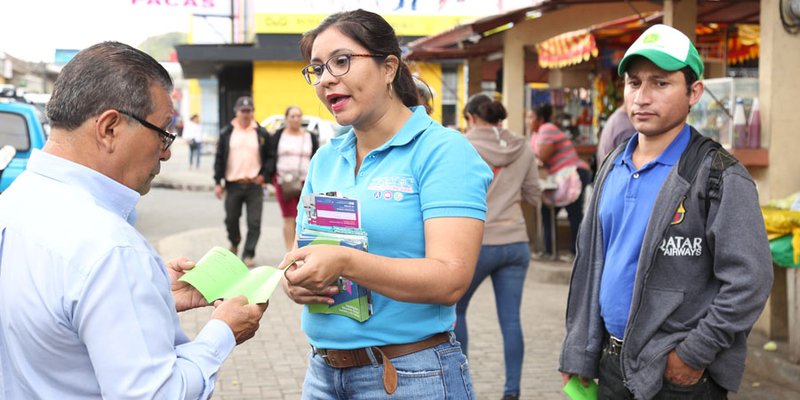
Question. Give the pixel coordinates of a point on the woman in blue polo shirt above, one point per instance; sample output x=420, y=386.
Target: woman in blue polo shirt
x=422, y=193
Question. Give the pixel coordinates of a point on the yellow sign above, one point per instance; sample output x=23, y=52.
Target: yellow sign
x=404, y=25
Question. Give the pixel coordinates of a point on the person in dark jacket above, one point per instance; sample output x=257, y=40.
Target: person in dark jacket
x=673, y=268
x=245, y=161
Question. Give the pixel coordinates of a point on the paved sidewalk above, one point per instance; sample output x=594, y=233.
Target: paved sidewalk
x=273, y=363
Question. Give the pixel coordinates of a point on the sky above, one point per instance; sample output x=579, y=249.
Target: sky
x=32, y=30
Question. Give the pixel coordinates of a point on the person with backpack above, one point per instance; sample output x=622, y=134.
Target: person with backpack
x=673, y=265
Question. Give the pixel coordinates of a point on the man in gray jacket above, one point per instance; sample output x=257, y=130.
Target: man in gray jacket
x=673, y=265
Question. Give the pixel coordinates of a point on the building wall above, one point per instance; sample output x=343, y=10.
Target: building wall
x=432, y=75
x=279, y=84
x=779, y=85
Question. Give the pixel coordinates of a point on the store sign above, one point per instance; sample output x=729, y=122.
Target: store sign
x=221, y=7
x=404, y=25
x=407, y=17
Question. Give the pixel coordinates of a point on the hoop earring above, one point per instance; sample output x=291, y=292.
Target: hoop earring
x=391, y=89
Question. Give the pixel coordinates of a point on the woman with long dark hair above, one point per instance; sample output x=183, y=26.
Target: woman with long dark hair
x=505, y=251
x=422, y=195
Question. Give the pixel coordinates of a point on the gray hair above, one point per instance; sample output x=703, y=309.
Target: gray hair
x=107, y=75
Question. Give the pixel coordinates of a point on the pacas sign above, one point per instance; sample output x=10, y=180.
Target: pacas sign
x=204, y=4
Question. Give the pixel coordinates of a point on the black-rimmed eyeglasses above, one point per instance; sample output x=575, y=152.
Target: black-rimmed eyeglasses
x=337, y=65
x=166, y=137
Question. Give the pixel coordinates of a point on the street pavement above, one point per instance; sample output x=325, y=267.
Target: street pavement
x=273, y=363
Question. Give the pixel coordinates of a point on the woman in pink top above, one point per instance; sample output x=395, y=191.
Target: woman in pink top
x=555, y=150
x=293, y=147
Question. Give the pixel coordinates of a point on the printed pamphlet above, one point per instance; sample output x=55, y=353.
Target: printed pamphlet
x=576, y=391
x=220, y=274
x=338, y=224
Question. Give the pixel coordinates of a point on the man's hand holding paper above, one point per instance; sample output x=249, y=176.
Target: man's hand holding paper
x=185, y=295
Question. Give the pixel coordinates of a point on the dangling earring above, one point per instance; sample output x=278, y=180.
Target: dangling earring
x=391, y=89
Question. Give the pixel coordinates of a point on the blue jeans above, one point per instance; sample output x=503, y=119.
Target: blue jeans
x=507, y=265
x=440, y=372
x=195, y=148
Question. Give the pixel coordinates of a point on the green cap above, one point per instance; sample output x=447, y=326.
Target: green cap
x=666, y=47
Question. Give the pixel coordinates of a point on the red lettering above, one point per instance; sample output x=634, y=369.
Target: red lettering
x=177, y=3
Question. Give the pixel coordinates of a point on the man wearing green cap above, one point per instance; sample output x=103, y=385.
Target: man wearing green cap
x=673, y=265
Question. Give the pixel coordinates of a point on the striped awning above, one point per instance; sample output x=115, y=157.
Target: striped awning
x=745, y=45
x=567, y=49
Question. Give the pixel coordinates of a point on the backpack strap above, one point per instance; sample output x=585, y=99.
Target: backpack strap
x=697, y=150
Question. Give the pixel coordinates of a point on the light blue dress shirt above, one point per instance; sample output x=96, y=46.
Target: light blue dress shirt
x=424, y=171
x=86, y=310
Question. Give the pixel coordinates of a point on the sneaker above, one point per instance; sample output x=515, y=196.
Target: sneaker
x=249, y=262
x=510, y=397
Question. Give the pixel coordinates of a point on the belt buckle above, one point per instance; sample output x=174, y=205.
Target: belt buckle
x=614, y=345
x=322, y=353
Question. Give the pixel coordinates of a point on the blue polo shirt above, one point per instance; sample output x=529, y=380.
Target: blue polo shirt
x=624, y=220
x=424, y=171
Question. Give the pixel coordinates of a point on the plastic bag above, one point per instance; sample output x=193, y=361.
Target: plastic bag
x=568, y=187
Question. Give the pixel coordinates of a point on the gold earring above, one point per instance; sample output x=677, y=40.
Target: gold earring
x=391, y=89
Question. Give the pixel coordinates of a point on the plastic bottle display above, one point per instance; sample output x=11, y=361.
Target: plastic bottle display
x=754, y=126
x=739, y=125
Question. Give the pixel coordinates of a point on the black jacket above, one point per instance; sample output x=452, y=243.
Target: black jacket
x=266, y=150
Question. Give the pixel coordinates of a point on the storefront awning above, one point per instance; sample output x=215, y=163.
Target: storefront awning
x=567, y=49
x=745, y=46
x=456, y=42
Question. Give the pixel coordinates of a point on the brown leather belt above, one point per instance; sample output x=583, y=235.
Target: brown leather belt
x=382, y=354
x=360, y=358
x=248, y=181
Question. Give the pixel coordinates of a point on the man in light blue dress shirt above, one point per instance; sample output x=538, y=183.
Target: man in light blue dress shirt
x=87, y=306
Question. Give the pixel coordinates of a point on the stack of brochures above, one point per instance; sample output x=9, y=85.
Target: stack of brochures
x=336, y=221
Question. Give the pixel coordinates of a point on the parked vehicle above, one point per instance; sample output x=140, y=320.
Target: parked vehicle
x=324, y=129
x=22, y=128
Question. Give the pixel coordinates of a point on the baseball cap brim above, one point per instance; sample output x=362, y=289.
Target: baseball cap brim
x=659, y=58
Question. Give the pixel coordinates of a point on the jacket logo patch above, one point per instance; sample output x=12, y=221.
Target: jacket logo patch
x=679, y=214
x=676, y=246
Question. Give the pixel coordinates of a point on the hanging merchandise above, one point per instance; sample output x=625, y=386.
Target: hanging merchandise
x=599, y=101
x=739, y=125
x=754, y=126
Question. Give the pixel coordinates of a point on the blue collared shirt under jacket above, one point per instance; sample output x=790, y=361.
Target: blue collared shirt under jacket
x=625, y=206
x=86, y=310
